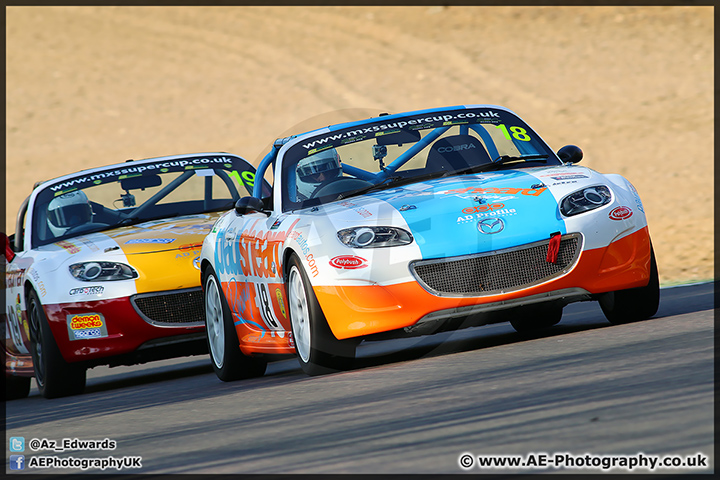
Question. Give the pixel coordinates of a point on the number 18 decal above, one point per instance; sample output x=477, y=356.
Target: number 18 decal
x=518, y=133
x=264, y=305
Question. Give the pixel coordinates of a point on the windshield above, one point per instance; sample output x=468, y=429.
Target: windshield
x=385, y=153
x=134, y=192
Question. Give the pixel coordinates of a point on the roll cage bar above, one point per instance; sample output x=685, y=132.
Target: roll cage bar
x=271, y=156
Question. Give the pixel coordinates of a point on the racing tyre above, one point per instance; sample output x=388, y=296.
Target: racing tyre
x=228, y=361
x=53, y=375
x=528, y=319
x=17, y=387
x=633, y=304
x=318, y=351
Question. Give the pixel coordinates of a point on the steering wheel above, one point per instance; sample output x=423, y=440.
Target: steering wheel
x=86, y=227
x=340, y=185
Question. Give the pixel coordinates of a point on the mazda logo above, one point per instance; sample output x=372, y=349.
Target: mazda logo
x=489, y=226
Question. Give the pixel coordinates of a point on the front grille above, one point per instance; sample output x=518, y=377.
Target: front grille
x=180, y=307
x=494, y=272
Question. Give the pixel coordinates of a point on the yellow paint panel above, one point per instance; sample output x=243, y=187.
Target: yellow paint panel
x=168, y=270
x=163, y=251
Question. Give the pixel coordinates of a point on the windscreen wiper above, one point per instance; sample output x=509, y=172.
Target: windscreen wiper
x=510, y=158
x=498, y=162
x=393, y=181
x=385, y=182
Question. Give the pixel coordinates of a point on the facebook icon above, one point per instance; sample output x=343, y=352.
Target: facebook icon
x=17, y=462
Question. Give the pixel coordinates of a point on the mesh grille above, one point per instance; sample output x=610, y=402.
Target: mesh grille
x=179, y=307
x=504, y=270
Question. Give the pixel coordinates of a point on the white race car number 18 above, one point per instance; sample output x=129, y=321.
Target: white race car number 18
x=264, y=305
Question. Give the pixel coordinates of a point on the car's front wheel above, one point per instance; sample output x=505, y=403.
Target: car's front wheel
x=633, y=304
x=318, y=351
x=54, y=376
x=228, y=361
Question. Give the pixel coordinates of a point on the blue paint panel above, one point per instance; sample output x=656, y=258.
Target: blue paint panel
x=442, y=229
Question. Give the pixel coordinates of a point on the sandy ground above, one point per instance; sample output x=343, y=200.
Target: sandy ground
x=632, y=86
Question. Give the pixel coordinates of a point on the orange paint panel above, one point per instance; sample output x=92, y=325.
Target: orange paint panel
x=266, y=342
x=621, y=254
x=353, y=311
x=252, y=332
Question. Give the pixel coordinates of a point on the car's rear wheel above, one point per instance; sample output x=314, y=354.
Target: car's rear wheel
x=228, y=361
x=318, y=351
x=17, y=387
x=54, y=376
x=528, y=319
x=633, y=304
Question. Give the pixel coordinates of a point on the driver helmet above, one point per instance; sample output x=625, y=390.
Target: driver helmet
x=67, y=211
x=319, y=167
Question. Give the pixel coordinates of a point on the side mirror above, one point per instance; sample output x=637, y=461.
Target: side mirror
x=249, y=205
x=141, y=182
x=9, y=253
x=398, y=137
x=570, y=154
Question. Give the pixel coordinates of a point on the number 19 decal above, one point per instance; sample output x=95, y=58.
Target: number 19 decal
x=247, y=177
x=518, y=133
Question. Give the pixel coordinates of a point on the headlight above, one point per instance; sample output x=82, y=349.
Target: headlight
x=371, y=237
x=102, y=271
x=584, y=200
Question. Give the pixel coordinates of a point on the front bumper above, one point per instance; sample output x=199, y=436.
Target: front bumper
x=95, y=331
x=355, y=311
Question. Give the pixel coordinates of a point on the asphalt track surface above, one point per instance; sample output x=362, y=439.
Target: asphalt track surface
x=416, y=405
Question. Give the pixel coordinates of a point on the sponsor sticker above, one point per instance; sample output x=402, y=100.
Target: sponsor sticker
x=489, y=207
x=531, y=192
x=90, y=333
x=86, y=325
x=485, y=211
x=638, y=202
x=88, y=243
x=358, y=209
x=150, y=240
x=568, y=176
x=94, y=290
x=302, y=243
x=620, y=213
x=70, y=247
x=281, y=303
x=456, y=148
x=348, y=262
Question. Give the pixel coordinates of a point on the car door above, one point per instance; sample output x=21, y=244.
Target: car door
x=17, y=333
x=253, y=284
